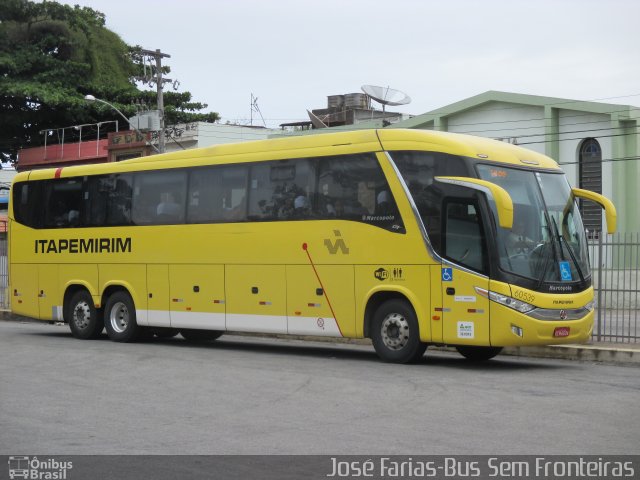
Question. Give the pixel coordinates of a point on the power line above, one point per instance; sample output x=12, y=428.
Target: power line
x=579, y=138
x=605, y=160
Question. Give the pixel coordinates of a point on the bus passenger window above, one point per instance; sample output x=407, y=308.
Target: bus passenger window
x=217, y=194
x=63, y=203
x=26, y=204
x=109, y=200
x=353, y=187
x=159, y=197
x=280, y=190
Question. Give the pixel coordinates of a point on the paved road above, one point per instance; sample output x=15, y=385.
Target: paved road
x=244, y=395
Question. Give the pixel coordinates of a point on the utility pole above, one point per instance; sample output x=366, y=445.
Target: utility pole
x=158, y=55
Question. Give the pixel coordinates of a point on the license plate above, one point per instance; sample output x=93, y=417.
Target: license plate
x=561, y=332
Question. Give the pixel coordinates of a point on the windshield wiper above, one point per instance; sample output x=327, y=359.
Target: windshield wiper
x=547, y=262
x=562, y=240
x=554, y=252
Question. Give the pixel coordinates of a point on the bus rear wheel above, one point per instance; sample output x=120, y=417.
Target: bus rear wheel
x=478, y=354
x=200, y=336
x=120, y=318
x=81, y=315
x=395, y=334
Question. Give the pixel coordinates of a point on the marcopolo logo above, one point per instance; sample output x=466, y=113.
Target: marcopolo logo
x=38, y=469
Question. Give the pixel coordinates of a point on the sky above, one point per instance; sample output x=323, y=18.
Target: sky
x=292, y=54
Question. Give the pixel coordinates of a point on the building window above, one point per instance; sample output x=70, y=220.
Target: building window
x=590, y=178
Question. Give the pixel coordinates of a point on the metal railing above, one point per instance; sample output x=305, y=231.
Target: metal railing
x=615, y=261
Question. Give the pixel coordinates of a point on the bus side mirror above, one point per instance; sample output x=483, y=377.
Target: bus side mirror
x=609, y=208
x=500, y=196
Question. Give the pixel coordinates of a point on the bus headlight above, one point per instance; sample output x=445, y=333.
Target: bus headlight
x=510, y=302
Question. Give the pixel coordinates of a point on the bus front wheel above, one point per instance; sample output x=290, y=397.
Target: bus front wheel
x=81, y=315
x=478, y=354
x=395, y=334
x=120, y=318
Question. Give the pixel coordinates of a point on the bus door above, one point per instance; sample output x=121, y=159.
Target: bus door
x=465, y=313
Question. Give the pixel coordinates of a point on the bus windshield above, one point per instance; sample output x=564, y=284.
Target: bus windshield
x=547, y=242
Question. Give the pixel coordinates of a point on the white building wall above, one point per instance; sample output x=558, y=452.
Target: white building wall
x=201, y=134
x=500, y=120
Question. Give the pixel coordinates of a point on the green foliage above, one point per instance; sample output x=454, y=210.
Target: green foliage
x=51, y=56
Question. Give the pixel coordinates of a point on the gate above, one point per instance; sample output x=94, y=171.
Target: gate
x=615, y=261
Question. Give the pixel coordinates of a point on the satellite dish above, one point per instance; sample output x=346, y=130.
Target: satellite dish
x=386, y=96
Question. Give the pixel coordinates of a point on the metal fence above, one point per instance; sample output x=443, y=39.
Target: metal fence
x=615, y=261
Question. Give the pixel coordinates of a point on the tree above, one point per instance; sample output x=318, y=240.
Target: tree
x=51, y=56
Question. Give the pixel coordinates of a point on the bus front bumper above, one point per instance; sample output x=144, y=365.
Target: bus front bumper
x=552, y=327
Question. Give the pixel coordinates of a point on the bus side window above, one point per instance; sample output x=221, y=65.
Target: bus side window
x=119, y=201
x=26, y=203
x=217, y=194
x=280, y=190
x=353, y=187
x=63, y=203
x=232, y=205
x=464, y=240
x=418, y=170
x=109, y=200
x=159, y=198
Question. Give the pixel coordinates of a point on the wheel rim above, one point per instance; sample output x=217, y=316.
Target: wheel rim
x=395, y=331
x=82, y=315
x=119, y=317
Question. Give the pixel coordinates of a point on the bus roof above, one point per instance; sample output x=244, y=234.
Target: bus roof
x=345, y=142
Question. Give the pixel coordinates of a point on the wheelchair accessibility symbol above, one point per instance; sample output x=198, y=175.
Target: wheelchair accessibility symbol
x=447, y=274
x=565, y=272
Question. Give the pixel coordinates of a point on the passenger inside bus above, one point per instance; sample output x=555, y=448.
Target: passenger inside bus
x=168, y=207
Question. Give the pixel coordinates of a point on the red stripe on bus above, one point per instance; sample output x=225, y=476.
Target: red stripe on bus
x=305, y=247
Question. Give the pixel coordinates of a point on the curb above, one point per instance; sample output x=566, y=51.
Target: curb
x=585, y=353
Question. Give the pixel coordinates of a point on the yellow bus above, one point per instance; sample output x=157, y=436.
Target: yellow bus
x=410, y=238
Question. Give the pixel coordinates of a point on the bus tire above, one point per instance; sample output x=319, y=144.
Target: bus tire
x=120, y=318
x=83, y=318
x=478, y=354
x=395, y=333
x=200, y=336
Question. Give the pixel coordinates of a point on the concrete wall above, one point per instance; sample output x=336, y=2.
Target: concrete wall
x=520, y=124
x=201, y=134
